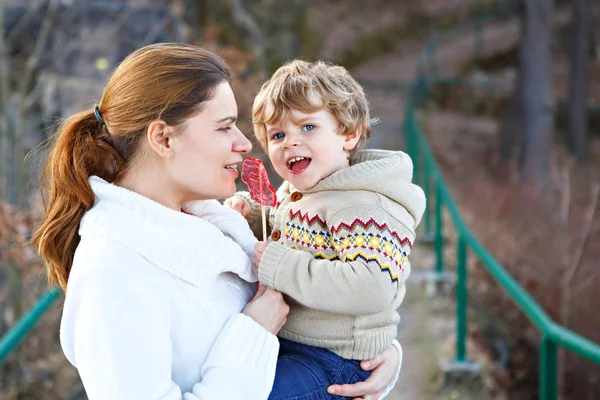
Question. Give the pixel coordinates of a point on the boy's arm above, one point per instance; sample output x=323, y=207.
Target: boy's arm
x=255, y=218
x=365, y=278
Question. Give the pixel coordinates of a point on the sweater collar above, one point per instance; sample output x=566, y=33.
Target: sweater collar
x=386, y=172
x=196, y=247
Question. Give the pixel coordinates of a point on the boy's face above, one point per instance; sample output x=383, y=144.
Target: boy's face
x=305, y=148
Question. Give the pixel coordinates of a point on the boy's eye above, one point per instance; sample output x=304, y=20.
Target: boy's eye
x=278, y=136
x=308, y=127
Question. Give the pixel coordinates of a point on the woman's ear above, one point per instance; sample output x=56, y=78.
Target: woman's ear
x=351, y=140
x=160, y=138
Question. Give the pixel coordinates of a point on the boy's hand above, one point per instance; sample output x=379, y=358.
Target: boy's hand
x=259, y=248
x=239, y=204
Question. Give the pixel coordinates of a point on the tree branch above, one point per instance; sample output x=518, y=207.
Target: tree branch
x=585, y=232
x=31, y=12
x=244, y=19
x=40, y=45
x=4, y=104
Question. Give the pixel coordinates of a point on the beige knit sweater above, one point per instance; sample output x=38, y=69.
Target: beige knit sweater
x=339, y=251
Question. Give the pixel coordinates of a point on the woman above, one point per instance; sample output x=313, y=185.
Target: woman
x=158, y=275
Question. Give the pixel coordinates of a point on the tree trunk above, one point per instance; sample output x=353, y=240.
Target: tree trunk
x=4, y=93
x=536, y=92
x=580, y=45
x=512, y=126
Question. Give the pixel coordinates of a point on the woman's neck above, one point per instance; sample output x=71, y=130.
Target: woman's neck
x=150, y=181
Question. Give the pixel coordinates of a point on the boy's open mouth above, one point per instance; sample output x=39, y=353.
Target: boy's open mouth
x=298, y=164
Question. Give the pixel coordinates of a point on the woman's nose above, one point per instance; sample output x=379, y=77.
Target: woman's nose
x=242, y=144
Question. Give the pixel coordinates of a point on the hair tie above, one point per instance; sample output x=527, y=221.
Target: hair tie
x=98, y=115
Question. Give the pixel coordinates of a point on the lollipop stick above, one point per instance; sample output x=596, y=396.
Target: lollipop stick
x=262, y=208
x=264, y=222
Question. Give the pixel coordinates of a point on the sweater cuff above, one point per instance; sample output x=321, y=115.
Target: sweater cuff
x=245, y=344
x=255, y=217
x=389, y=387
x=270, y=262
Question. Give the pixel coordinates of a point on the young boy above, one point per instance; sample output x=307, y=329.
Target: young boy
x=341, y=232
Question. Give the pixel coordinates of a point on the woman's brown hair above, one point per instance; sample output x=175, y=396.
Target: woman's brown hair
x=169, y=82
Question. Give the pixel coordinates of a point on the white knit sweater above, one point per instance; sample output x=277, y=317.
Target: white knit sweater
x=154, y=300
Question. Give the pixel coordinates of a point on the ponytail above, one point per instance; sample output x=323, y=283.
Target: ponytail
x=105, y=144
x=80, y=148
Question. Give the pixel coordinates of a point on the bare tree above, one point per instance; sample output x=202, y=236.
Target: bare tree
x=4, y=98
x=528, y=125
x=536, y=92
x=580, y=55
x=15, y=102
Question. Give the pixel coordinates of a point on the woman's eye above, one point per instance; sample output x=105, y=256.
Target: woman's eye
x=225, y=129
x=277, y=136
x=308, y=127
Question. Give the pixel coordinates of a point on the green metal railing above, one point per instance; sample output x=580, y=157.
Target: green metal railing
x=17, y=333
x=429, y=176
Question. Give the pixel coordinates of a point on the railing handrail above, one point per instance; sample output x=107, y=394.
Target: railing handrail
x=520, y=296
x=18, y=331
x=553, y=334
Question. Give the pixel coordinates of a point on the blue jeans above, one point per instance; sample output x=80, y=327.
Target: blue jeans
x=304, y=372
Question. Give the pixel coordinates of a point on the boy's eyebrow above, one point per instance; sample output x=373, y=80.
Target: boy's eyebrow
x=302, y=120
x=229, y=118
x=273, y=128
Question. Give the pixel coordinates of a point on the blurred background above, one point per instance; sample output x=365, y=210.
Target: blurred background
x=498, y=103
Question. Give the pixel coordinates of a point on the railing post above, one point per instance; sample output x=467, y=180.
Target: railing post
x=409, y=128
x=461, y=298
x=478, y=41
x=430, y=54
x=548, y=369
x=427, y=200
x=416, y=157
x=439, y=226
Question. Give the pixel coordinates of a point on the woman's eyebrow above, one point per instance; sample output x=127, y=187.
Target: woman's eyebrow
x=229, y=118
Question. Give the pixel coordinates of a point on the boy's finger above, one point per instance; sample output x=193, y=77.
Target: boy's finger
x=246, y=209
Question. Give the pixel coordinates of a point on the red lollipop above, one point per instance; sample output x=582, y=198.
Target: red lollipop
x=255, y=176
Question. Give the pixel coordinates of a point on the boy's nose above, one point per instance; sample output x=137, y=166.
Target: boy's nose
x=291, y=141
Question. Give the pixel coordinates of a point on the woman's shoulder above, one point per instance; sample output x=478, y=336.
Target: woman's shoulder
x=107, y=257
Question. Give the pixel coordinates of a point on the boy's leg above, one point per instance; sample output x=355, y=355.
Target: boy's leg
x=305, y=372
x=352, y=373
x=298, y=375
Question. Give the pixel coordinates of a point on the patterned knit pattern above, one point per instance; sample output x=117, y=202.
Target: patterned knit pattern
x=369, y=241
x=340, y=252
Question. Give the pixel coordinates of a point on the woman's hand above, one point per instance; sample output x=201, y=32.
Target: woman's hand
x=384, y=368
x=259, y=249
x=239, y=204
x=268, y=309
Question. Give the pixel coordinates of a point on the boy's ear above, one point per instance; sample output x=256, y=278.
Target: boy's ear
x=351, y=140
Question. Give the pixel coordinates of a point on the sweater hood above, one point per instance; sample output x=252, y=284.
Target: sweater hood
x=386, y=172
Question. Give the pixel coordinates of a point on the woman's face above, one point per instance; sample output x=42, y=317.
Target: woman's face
x=207, y=153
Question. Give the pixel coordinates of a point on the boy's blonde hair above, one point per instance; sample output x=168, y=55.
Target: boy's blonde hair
x=310, y=87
